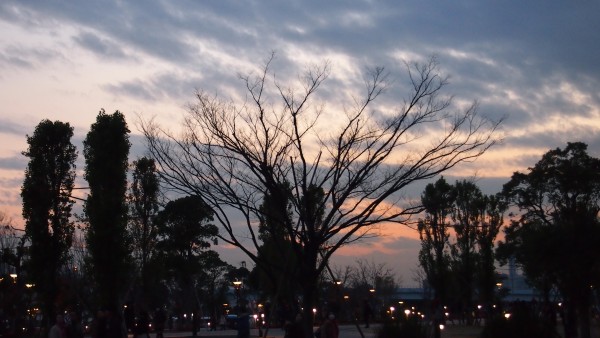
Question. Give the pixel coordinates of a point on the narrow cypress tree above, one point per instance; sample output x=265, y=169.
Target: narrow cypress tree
x=106, y=148
x=47, y=206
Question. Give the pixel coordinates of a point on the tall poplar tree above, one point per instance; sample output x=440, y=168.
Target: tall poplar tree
x=437, y=200
x=466, y=216
x=106, y=148
x=47, y=206
x=143, y=202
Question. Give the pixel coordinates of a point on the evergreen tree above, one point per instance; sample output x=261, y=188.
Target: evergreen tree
x=106, y=148
x=556, y=237
x=47, y=206
x=437, y=200
x=184, y=234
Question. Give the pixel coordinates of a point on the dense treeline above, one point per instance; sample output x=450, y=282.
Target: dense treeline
x=457, y=236
x=131, y=246
x=552, y=234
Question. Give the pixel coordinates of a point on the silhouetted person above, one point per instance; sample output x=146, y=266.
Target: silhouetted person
x=58, y=329
x=222, y=322
x=98, y=329
x=294, y=329
x=115, y=326
x=74, y=328
x=195, y=323
x=159, y=322
x=438, y=317
x=129, y=317
x=213, y=323
x=243, y=324
x=367, y=312
x=142, y=330
x=330, y=328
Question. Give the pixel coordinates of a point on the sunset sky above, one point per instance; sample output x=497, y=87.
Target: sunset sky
x=537, y=63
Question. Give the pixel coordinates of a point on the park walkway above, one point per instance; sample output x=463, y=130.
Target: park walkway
x=346, y=331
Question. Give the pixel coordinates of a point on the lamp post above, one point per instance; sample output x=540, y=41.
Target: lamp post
x=237, y=285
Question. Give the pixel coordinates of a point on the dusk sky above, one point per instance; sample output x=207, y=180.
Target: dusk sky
x=536, y=63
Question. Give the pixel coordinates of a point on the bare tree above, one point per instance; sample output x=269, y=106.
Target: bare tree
x=233, y=154
x=11, y=246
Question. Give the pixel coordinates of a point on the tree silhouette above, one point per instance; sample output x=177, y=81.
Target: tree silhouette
x=475, y=220
x=234, y=154
x=143, y=203
x=437, y=200
x=555, y=238
x=184, y=235
x=47, y=205
x=106, y=149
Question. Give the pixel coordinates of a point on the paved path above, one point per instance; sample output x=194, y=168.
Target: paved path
x=346, y=331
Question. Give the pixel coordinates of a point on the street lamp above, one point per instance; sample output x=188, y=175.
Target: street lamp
x=237, y=286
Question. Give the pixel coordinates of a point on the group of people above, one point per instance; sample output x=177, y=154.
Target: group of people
x=68, y=326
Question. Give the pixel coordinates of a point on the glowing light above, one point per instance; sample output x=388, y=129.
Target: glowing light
x=442, y=326
x=507, y=315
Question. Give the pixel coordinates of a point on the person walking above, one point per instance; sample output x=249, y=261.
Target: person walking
x=74, y=328
x=367, y=312
x=58, y=329
x=159, y=322
x=294, y=329
x=330, y=328
x=143, y=325
x=243, y=324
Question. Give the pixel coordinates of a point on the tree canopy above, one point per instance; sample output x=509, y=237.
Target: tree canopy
x=185, y=235
x=47, y=205
x=555, y=238
x=106, y=150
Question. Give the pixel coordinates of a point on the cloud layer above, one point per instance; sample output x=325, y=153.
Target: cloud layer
x=535, y=63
